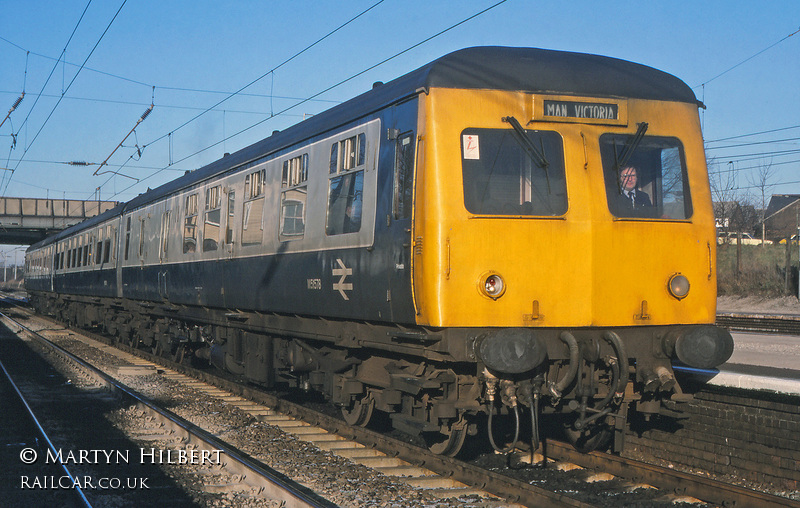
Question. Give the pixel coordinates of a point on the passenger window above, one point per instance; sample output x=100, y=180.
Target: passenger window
x=141, y=238
x=294, y=190
x=404, y=176
x=211, y=224
x=165, y=235
x=127, y=237
x=253, y=211
x=645, y=177
x=346, y=186
x=345, y=197
x=513, y=173
x=231, y=211
x=116, y=243
x=190, y=224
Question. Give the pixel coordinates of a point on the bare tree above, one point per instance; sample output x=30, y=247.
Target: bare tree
x=762, y=182
x=724, y=191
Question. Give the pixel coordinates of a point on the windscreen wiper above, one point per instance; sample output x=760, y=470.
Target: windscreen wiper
x=536, y=156
x=627, y=151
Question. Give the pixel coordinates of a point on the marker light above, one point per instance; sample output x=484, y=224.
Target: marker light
x=492, y=285
x=678, y=286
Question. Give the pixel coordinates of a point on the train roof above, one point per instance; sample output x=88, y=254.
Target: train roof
x=528, y=70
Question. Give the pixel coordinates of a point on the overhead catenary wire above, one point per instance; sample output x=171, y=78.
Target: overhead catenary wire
x=739, y=145
x=752, y=134
x=271, y=71
x=140, y=120
x=170, y=135
x=746, y=60
x=8, y=181
x=350, y=78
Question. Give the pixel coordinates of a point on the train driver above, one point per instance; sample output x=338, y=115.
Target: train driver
x=632, y=197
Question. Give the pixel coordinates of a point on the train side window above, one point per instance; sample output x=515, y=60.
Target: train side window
x=99, y=252
x=231, y=213
x=404, y=176
x=345, y=194
x=294, y=190
x=346, y=185
x=252, y=216
x=107, y=248
x=650, y=181
x=190, y=224
x=213, y=216
x=165, y=235
x=141, y=238
x=334, y=167
x=127, y=237
x=116, y=243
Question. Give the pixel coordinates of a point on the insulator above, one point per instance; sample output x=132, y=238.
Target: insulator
x=16, y=103
x=79, y=163
x=146, y=113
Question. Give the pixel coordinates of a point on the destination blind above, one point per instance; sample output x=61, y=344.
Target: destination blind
x=582, y=110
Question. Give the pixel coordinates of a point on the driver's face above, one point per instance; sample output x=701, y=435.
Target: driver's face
x=628, y=178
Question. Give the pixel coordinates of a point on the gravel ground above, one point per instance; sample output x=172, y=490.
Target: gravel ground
x=335, y=478
x=788, y=305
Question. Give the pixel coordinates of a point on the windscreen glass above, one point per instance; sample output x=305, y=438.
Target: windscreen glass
x=510, y=172
x=645, y=177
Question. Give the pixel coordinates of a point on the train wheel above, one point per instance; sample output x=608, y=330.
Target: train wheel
x=359, y=413
x=590, y=438
x=449, y=442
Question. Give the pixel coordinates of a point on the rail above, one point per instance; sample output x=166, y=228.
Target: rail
x=707, y=489
x=43, y=433
x=768, y=323
x=268, y=481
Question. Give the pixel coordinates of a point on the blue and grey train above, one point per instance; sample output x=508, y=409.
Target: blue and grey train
x=446, y=248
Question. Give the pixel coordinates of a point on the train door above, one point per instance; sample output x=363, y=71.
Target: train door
x=52, y=257
x=230, y=209
x=163, y=255
x=401, y=222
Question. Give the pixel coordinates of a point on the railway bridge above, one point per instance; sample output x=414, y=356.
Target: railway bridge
x=24, y=221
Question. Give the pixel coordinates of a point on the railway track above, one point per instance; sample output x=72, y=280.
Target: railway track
x=24, y=433
x=392, y=457
x=191, y=446
x=789, y=325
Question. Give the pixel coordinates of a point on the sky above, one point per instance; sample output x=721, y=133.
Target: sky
x=91, y=69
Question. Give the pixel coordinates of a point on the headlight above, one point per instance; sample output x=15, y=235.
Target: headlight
x=492, y=285
x=678, y=286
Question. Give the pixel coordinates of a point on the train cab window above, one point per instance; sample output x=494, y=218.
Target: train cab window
x=346, y=185
x=645, y=176
x=294, y=189
x=190, y=224
x=213, y=217
x=253, y=211
x=506, y=172
x=404, y=176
